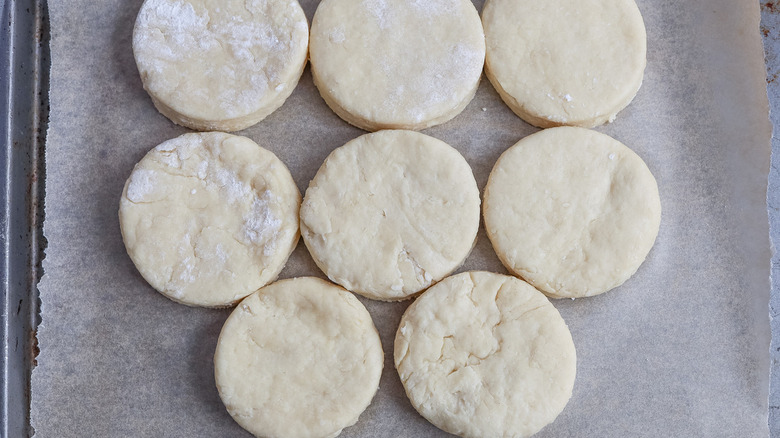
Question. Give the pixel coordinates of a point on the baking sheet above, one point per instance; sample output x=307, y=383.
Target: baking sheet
x=24, y=67
x=679, y=350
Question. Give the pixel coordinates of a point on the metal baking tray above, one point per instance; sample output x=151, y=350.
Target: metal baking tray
x=25, y=62
x=24, y=90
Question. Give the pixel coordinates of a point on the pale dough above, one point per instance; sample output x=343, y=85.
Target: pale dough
x=485, y=355
x=565, y=62
x=220, y=64
x=209, y=218
x=390, y=213
x=572, y=211
x=300, y=358
x=406, y=64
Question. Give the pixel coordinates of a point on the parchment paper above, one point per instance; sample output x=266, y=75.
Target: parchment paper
x=680, y=350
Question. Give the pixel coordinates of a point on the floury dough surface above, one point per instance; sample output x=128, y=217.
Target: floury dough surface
x=220, y=64
x=209, y=218
x=572, y=211
x=565, y=62
x=485, y=355
x=300, y=358
x=385, y=64
x=390, y=213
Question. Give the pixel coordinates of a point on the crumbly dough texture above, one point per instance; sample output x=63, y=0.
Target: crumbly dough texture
x=572, y=211
x=209, y=218
x=565, y=62
x=485, y=355
x=220, y=64
x=409, y=64
x=390, y=213
x=300, y=358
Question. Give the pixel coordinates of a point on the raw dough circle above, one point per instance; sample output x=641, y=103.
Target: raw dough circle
x=220, y=64
x=572, y=211
x=406, y=64
x=209, y=218
x=299, y=358
x=390, y=213
x=485, y=355
x=565, y=62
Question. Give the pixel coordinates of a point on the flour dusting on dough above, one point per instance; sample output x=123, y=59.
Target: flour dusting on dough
x=379, y=10
x=227, y=180
x=261, y=226
x=143, y=182
x=256, y=49
x=216, y=227
x=408, y=63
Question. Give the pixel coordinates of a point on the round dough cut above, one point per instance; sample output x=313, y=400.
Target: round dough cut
x=300, y=358
x=209, y=218
x=220, y=64
x=390, y=213
x=565, y=62
x=572, y=211
x=485, y=355
x=406, y=64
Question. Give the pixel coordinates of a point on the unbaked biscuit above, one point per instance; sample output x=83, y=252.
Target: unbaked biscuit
x=485, y=355
x=565, y=62
x=390, y=213
x=300, y=358
x=389, y=64
x=209, y=218
x=220, y=65
x=572, y=211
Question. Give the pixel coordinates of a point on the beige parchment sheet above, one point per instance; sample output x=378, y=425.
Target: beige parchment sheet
x=680, y=350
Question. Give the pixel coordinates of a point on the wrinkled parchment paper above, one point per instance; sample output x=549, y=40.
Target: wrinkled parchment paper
x=680, y=350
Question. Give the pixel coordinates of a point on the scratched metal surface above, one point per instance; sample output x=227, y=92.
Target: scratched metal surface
x=23, y=98
x=24, y=64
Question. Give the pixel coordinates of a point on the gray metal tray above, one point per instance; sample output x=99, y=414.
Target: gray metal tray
x=24, y=90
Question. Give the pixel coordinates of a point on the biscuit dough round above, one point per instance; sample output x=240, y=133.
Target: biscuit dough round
x=209, y=218
x=565, y=62
x=220, y=64
x=572, y=211
x=408, y=64
x=300, y=358
x=485, y=355
x=390, y=213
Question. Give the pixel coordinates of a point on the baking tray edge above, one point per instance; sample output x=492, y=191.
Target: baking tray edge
x=25, y=61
